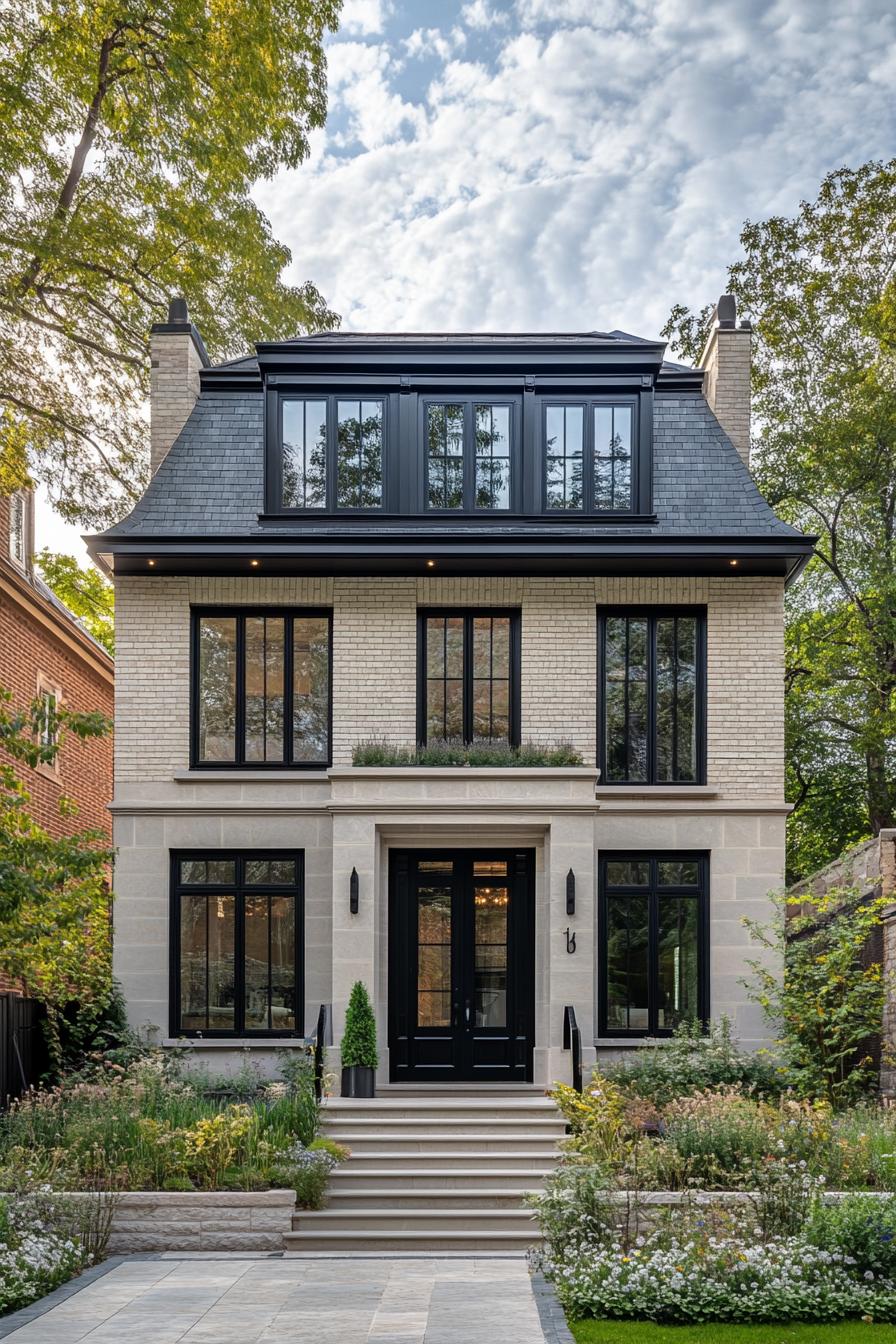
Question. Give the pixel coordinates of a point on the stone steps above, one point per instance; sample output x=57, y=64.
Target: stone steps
x=434, y=1171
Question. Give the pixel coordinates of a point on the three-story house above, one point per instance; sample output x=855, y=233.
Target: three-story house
x=379, y=543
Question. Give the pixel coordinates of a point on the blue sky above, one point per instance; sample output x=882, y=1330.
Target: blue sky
x=568, y=164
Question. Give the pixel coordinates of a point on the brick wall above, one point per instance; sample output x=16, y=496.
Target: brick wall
x=374, y=662
x=726, y=384
x=174, y=386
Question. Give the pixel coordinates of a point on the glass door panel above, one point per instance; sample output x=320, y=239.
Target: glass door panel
x=434, y=929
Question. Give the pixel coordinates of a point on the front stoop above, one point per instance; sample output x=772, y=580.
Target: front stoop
x=434, y=1173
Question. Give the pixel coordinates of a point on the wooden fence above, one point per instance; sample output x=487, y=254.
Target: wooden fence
x=22, y=1048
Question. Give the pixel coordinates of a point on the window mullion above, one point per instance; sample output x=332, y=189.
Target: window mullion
x=651, y=701
x=239, y=960
x=288, y=641
x=240, y=689
x=468, y=678
x=653, y=970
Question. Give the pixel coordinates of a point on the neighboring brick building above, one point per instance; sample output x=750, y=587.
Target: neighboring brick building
x=526, y=538
x=46, y=651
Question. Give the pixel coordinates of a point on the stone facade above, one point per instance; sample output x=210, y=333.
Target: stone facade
x=154, y=1220
x=345, y=818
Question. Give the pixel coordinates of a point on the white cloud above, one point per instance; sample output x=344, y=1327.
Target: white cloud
x=480, y=14
x=364, y=16
x=592, y=171
x=434, y=42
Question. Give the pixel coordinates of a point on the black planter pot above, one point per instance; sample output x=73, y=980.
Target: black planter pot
x=357, y=1081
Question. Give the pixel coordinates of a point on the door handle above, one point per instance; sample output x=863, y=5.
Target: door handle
x=467, y=1012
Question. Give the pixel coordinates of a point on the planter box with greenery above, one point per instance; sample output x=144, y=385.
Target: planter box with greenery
x=453, y=752
x=358, y=1050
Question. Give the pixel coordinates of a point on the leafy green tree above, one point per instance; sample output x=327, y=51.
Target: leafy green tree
x=359, y=1038
x=821, y=293
x=131, y=136
x=84, y=591
x=54, y=893
x=830, y=999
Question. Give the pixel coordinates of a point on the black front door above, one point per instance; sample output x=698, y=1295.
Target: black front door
x=461, y=965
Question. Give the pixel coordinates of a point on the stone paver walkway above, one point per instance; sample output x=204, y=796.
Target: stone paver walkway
x=296, y=1301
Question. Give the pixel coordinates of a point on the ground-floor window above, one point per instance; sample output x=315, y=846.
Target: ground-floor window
x=653, y=925
x=236, y=945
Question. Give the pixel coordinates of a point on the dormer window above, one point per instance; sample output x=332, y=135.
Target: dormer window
x=589, y=454
x=469, y=455
x=331, y=453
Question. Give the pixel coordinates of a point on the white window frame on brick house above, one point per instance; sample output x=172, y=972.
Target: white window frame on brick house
x=47, y=689
x=18, y=529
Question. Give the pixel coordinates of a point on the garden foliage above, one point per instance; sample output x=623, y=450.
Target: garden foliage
x=453, y=751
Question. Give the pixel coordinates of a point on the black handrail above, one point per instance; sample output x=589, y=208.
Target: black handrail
x=323, y=1037
x=572, y=1040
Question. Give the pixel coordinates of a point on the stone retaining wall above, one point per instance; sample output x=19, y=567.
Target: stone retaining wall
x=218, y=1220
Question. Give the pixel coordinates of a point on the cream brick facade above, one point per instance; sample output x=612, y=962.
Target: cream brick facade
x=375, y=661
x=175, y=361
x=346, y=818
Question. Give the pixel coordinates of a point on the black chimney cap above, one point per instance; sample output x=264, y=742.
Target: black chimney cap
x=726, y=311
x=177, y=311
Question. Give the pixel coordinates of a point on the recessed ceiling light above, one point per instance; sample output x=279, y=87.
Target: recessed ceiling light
x=254, y=563
x=430, y=564
x=150, y=563
x=732, y=562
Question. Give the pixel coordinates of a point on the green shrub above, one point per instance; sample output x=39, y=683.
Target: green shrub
x=454, y=751
x=862, y=1227
x=324, y=1144
x=359, y=1038
x=830, y=999
x=693, y=1060
x=307, y=1171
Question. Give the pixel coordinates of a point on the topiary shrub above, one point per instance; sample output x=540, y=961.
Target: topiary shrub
x=359, y=1037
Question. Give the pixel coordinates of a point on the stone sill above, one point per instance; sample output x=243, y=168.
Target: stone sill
x=237, y=1043
x=628, y=1042
x=653, y=791
x=250, y=776
x=464, y=771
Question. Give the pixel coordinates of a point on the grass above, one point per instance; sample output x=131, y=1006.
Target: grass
x=647, y=1332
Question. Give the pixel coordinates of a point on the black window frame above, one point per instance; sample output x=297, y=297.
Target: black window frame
x=469, y=614
x=351, y=392
x=652, y=613
x=640, y=461
x=702, y=896
x=241, y=613
x=469, y=400
x=238, y=890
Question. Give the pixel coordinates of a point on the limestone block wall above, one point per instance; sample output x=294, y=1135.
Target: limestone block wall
x=201, y=1220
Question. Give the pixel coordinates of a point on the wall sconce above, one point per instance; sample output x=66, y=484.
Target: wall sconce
x=570, y=892
x=353, y=892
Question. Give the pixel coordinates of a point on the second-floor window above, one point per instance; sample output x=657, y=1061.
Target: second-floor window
x=469, y=451
x=332, y=452
x=652, y=695
x=469, y=676
x=261, y=688
x=590, y=458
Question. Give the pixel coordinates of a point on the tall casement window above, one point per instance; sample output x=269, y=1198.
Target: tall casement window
x=469, y=455
x=331, y=452
x=652, y=695
x=236, y=953
x=261, y=688
x=653, y=923
x=468, y=680
x=590, y=456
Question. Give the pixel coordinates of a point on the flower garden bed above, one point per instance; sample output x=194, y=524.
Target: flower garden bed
x=707, y=1198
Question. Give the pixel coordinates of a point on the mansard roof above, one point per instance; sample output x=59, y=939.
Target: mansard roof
x=208, y=494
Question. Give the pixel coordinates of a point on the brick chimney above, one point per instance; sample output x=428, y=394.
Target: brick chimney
x=176, y=354
x=726, y=383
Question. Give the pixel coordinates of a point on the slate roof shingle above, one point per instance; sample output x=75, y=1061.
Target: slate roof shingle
x=211, y=484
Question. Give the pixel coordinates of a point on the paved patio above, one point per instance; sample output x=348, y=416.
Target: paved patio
x=232, y=1300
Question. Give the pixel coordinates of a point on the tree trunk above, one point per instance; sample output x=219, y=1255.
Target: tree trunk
x=881, y=813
